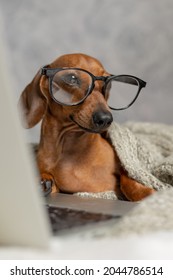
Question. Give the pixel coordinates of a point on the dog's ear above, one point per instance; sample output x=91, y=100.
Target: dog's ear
x=32, y=102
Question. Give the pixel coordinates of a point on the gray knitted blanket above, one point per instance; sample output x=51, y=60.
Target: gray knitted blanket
x=146, y=152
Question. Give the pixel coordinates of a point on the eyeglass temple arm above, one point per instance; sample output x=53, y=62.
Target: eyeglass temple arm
x=45, y=71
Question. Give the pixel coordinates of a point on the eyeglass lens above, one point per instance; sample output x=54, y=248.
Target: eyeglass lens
x=121, y=91
x=71, y=86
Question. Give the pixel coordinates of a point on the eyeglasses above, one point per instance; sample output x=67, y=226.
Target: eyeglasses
x=71, y=86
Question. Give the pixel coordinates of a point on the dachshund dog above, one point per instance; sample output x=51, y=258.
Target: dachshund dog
x=75, y=153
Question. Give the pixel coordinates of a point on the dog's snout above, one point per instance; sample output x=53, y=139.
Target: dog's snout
x=102, y=119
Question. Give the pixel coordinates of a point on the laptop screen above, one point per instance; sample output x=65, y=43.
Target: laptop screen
x=22, y=217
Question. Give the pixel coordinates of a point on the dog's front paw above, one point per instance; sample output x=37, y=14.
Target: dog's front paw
x=133, y=190
x=46, y=186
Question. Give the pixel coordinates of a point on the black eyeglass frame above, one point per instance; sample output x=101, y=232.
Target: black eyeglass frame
x=50, y=72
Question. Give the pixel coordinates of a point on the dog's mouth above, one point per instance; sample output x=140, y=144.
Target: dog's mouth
x=93, y=130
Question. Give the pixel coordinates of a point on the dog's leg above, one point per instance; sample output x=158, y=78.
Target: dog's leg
x=47, y=184
x=133, y=190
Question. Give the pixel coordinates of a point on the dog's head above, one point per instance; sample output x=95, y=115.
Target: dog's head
x=91, y=113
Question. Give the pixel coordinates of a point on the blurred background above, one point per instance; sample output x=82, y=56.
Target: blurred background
x=129, y=37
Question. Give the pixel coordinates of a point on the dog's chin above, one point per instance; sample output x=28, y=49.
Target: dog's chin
x=90, y=130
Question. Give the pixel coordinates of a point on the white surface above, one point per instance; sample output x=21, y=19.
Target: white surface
x=156, y=246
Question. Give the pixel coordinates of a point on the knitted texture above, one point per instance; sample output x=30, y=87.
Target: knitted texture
x=105, y=195
x=153, y=214
x=145, y=151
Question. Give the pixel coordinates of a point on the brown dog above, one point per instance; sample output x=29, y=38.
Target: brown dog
x=74, y=151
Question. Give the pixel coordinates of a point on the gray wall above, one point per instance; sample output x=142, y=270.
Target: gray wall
x=128, y=36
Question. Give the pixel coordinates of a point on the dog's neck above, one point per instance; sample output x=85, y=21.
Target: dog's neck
x=63, y=136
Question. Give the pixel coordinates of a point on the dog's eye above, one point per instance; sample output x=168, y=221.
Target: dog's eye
x=71, y=79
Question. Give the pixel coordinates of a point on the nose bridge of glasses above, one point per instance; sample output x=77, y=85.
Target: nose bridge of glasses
x=99, y=82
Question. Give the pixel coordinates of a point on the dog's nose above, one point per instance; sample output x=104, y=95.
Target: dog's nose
x=102, y=119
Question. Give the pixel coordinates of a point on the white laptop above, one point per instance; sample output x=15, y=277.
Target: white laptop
x=23, y=215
